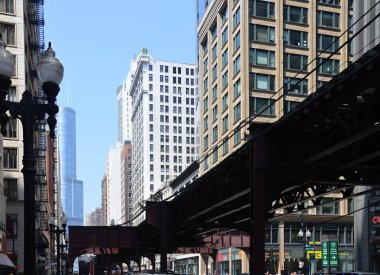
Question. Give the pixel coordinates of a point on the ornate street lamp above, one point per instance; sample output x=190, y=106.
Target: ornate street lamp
x=304, y=238
x=50, y=72
x=58, y=232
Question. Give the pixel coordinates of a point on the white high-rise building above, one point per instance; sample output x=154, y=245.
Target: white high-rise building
x=164, y=98
x=114, y=185
x=124, y=106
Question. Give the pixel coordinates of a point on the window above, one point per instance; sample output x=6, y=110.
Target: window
x=236, y=42
x=224, y=102
x=214, y=72
x=237, y=138
x=11, y=128
x=225, y=147
x=296, y=62
x=237, y=89
x=289, y=105
x=215, y=113
x=330, y=2
x=236, y=18
x=150, y=77
x=214, y=52
x=224, y=14
x=224, y=58
x=329, y=66
x=224, y=80
x=262, y=82
x=327, y=19
x=215, y=134
x=11, y=225
x=295, y=38
x=327, y=43
x=204, y=46
x=205, y=143
x=213, y=32
x=205, y=123
x=11, y=96
x=295, y=14
x=205, y=85
x=329, y=207
x=295, y=86
x=236, y=65
x=10, y=188
x=10, y=158
x=214, y=93
x=261, y=58
x=261, y=8
x=205, y=66
x=237, y=112
x=262, y=106
x=225, y=124
x=225, y=36
x=7, y=6
x=261, y=33
x=150, y=67
x=9, y=34
x=205, y=104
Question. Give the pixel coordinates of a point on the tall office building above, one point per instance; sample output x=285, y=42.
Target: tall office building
x=22, y=29
x=94, y=218
x=71, y=187
x=164, y=97
x=249, y=49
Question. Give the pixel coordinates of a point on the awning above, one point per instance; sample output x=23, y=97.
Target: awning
x=5, y=261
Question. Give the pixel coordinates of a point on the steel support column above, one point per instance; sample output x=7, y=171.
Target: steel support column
x=258, y=205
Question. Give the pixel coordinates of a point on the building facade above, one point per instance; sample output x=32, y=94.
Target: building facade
x=126, y=183
x=71, y=187
x=256, y=61
x=164, y=97
x=94, y=218
x=249, y=50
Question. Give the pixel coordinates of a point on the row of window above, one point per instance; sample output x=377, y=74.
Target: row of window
x=175, y=89
x=342, y=233
x=175, y=139
x=176, y=129
x=188, y=101
x=295, y=14
x=176, y=70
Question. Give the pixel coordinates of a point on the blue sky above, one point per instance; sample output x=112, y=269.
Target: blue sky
x=96, y=40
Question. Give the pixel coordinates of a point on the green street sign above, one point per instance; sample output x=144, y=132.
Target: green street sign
x=334, y=254
x=325, y=255
x=330, y=254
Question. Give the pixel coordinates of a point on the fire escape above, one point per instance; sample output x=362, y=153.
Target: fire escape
x=45, y=152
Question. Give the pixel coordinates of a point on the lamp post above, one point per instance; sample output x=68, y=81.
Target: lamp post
x=50, y=72
x=58, y=232
x=304, y=236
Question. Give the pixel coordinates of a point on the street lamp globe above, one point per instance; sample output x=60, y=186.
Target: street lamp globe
x=64, y=221
x=308, y=234
x=300, y=234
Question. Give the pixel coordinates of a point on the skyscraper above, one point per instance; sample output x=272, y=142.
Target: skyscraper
x=71, y=187
x=164, y=98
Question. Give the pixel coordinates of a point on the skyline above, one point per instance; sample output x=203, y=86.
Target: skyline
x=94, y=68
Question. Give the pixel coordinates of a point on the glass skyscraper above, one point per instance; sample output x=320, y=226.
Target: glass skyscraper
x=71, y=187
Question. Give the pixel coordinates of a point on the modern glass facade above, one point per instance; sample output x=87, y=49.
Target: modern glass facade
x=71, y=187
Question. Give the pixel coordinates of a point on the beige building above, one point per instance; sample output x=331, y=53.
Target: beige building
x=249, y=50
x=256, y=61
